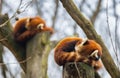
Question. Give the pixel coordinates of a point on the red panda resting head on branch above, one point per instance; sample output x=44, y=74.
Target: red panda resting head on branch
x=74, y=49
x=26, y=28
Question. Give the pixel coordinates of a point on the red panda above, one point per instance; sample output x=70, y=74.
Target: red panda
x=74, y=49
x=26, y=28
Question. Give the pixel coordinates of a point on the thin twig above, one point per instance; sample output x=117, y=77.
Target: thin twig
x=89, y=6
x=20, y=62
x=77, y=69
x=11, y=16
x=116, y=28
x=16, y=12
x=36, y=3
x=25, y=6
x=55, y=13
x=81, y=5
x=4, y=38
x=96, y=12
x=0, y=6
x=75, y=25
x=114, y=49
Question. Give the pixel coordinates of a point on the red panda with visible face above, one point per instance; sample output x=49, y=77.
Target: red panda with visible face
x=74, y=49
x=26, y=28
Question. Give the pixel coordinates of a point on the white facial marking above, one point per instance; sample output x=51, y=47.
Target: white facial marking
x=94, y=53
x=40, y=26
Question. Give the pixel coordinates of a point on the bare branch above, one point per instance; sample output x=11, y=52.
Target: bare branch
x=96, y=12
x=3, y=24
x=116, y=29
x=55, y=13
x=20, y=62
x=37, y=6
x=75, y=26
x=1, y=61
x=7, y=34
x=24, y=7
x=82, y=3
x=16, y=12
x=109, y=32
x=0, y=6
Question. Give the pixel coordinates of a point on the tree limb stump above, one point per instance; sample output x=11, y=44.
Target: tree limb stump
x=38, y=50
x=78, y=70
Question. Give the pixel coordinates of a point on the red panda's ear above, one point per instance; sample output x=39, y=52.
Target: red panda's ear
x=28, y=20
x=85, y=41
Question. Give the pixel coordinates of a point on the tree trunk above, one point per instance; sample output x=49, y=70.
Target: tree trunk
x=78, y=70
x=37, y=50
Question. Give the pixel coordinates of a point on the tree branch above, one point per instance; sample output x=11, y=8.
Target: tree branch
x=96, y=12
x=6, y=38
x=91, y=34
x=1, y=6
x=55, y=13
x=36, y=3
x=4, y=68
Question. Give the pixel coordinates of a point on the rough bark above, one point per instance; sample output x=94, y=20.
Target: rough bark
x=1, y=6
x=91, y=34
x=38, y=49
x=78, y=70
x=6, y=38
x=3, y=67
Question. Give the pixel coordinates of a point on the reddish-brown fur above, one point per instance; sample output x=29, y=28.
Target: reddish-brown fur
x=24, y=30
x=65, y=52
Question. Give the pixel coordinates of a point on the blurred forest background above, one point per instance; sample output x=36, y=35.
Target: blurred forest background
x=104, y=15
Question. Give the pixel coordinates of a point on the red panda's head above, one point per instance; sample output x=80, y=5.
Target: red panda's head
x=91, y=50
x=37, y=24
